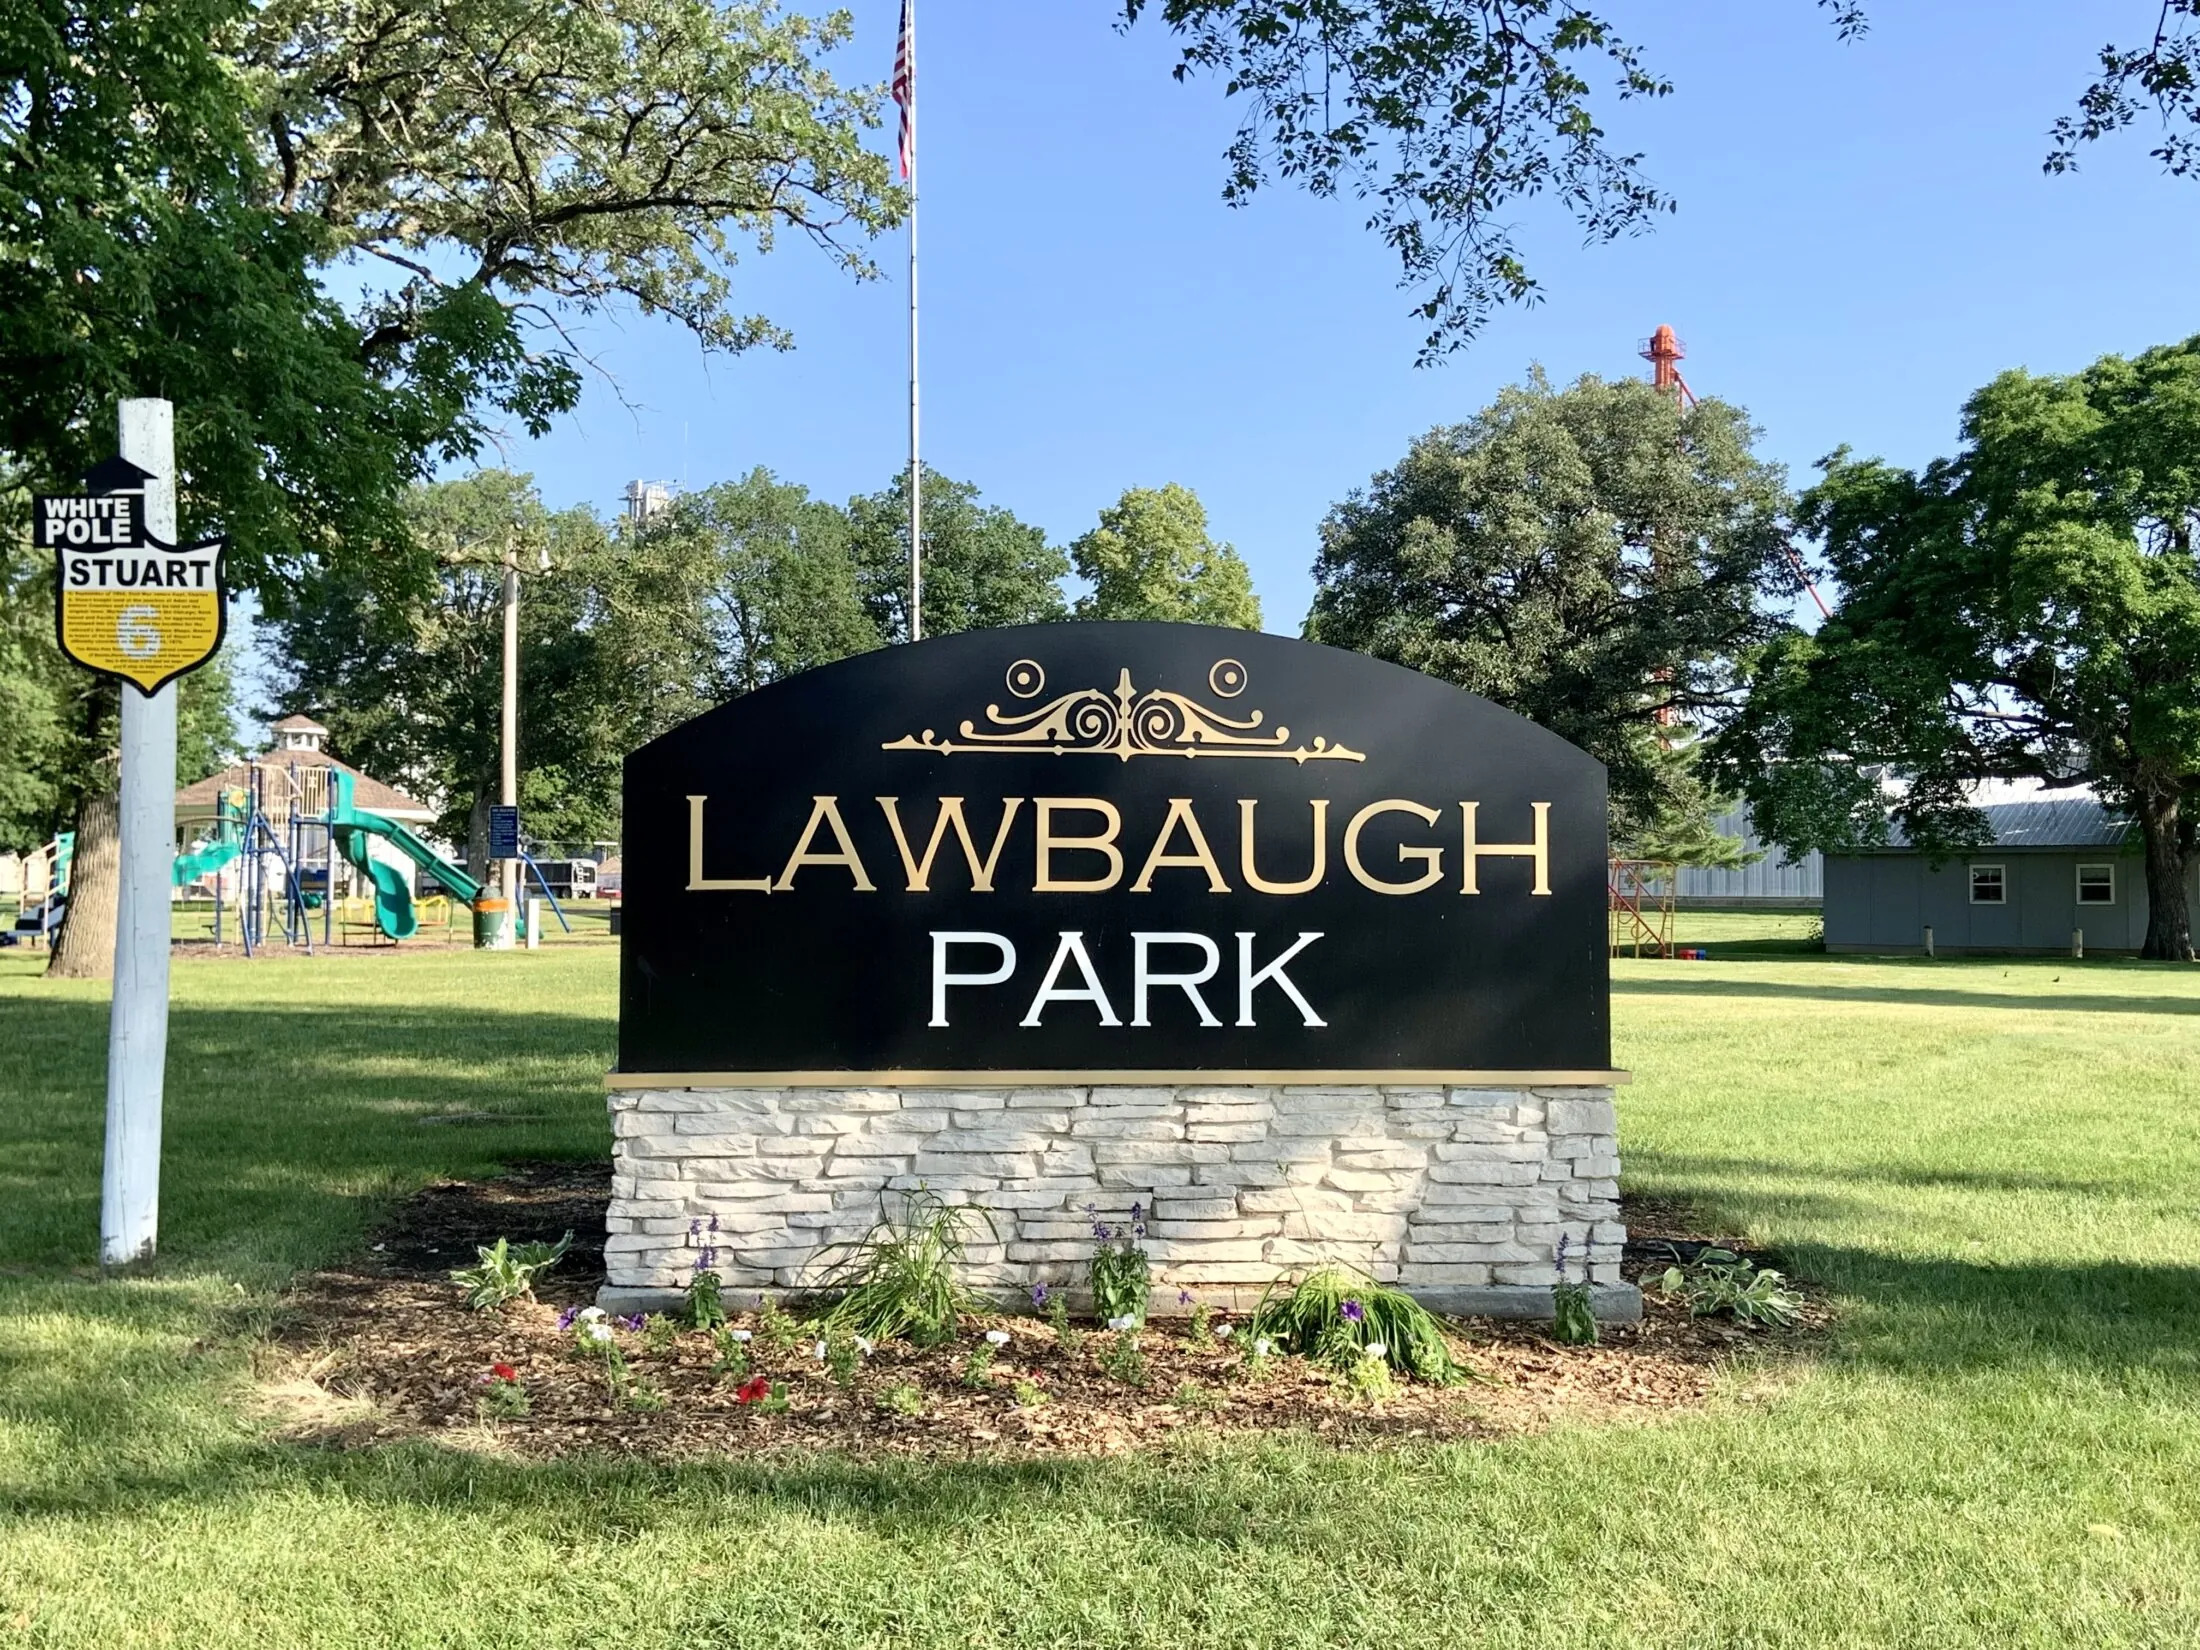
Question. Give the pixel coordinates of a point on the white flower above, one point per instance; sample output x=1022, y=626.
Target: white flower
x=1224, y=1331
x=599, y=1332
x=1126, y=1321
x=999, y=1337
x=1262, y=1346
x=818, y=1352
x=743, y=1335
x=864, y=1346
x=1374, y=1349
x=590, y=1314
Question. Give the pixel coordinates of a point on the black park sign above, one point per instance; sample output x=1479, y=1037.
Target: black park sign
x=1115, y=852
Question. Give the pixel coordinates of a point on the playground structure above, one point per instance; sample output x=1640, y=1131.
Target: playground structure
x=44, y=895
x=1640, y=906
x=283, y=837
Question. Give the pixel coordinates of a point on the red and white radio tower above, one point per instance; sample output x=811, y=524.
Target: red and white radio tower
x=1664, y=353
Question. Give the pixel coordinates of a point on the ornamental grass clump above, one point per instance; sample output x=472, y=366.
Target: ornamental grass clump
x=900, y=1280
x=1336, y=1316
x=506, y=1271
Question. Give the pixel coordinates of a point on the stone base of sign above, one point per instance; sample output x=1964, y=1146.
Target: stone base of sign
x=1460, y=1194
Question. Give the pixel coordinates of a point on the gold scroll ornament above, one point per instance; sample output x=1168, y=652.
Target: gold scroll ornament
x=1127, y=723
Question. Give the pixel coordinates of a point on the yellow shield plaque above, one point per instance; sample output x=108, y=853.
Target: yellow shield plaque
x=126, y=604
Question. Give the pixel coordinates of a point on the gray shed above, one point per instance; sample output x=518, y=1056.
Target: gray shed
x=2057, y=867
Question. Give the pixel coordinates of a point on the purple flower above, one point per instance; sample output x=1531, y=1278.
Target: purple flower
x=1183, y=1297
x=695, y=1227
x=565, y=1318
x=1038, y=1294
x=1354, y=1312
x=635, y=1322
x=1100, y=1231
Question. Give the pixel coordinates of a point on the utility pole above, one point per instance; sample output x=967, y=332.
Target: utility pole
x=137, y=1026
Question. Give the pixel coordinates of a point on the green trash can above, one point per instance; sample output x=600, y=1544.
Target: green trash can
x=492, y=924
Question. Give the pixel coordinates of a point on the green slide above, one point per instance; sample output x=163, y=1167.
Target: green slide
x=207, y=857
x=393, y=907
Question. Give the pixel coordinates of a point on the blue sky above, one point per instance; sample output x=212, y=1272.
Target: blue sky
x=1864, y=236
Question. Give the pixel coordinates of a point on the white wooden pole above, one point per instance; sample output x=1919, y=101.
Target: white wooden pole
x=137, y=1027
x=508, y=723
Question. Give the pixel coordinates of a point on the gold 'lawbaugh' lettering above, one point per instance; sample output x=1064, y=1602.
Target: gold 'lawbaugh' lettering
x=1180, y=844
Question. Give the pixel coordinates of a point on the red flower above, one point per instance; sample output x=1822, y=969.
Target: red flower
x=752, y=1389
x=504, y=1372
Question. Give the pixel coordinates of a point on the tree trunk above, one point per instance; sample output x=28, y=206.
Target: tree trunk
x=2169, y=918
x=85, y=947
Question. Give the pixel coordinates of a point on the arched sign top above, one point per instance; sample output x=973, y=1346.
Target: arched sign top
x=1138, y=849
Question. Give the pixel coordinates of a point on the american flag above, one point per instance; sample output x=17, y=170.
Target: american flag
x=905, y=89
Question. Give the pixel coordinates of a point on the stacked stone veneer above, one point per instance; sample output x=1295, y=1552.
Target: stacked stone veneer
x=1459, y=1194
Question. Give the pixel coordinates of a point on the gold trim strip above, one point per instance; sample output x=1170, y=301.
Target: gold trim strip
x=1107, y=1079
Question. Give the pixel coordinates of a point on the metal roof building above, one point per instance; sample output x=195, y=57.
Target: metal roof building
x=2061, y=870
x=1771, y=883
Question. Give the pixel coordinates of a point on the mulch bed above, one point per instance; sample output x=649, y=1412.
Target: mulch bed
x=384, y=1349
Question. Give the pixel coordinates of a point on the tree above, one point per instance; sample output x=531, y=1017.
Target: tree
x=411, y=686
x=175, y=178
x=1594, y=558
x=1151, y=558
x=513, y=161
x=1447, y=116
x=145, y=257
x=771, y=575
x=983, y=568
x=2029, y=609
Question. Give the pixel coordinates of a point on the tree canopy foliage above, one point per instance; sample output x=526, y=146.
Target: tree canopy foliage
x=409, y=682
x=634, y=627
x=141, y=254
x=1448, y=117
x=1151, y=558
x=983, y=568
x=2029, y=609
x=1595, y=557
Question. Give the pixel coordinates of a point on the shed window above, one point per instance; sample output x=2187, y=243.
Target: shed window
x=1989, y=885
x=2096, y=885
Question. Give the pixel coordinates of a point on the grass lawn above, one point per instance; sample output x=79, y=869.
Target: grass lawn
x=1990, y=1164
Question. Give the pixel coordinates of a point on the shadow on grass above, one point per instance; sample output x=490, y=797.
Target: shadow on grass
x=285, y=1128
x=1918, y=997
x=1719, y=1173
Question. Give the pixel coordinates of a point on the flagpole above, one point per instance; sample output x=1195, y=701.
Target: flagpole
x=916, y=465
